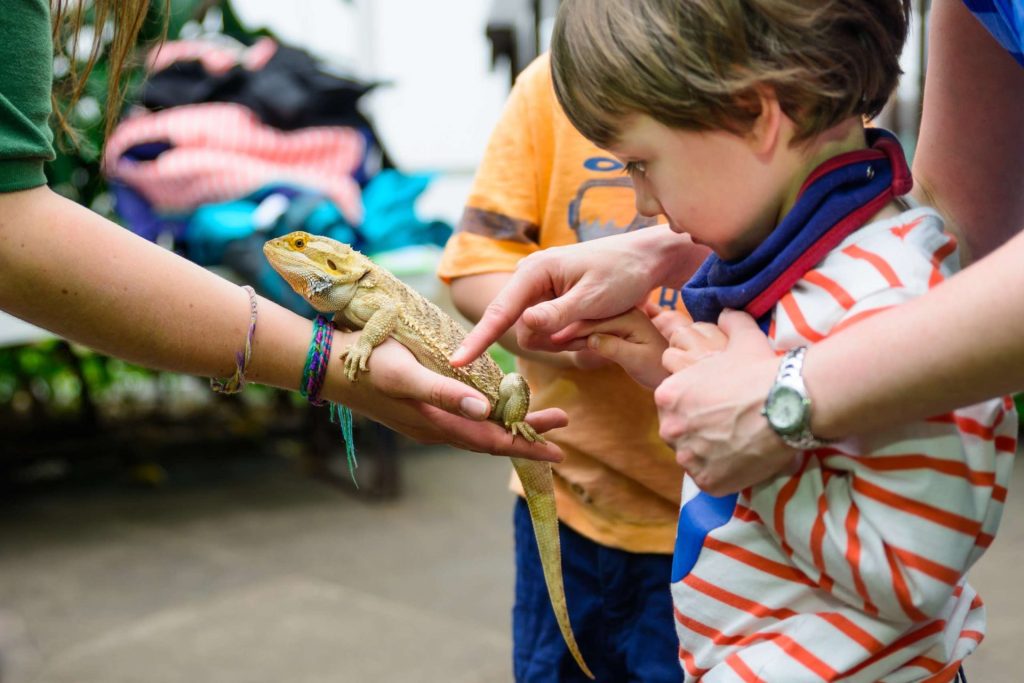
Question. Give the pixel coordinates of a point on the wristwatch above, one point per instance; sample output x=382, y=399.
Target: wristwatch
x=788, y=407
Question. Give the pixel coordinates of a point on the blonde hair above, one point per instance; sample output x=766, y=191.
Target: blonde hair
x=697, y=64
x=126, y=18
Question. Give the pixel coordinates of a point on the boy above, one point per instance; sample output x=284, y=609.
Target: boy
x=541, y=184
x=743, y=126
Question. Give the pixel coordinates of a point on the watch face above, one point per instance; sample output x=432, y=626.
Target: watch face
x=785, y=410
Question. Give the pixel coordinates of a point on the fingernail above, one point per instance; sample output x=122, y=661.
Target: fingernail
x=473, y=408
x=594, y=342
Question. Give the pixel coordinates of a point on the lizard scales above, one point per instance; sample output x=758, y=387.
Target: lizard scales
x=337, y=279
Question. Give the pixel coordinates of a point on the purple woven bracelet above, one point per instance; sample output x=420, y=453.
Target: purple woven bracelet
x=315, y=370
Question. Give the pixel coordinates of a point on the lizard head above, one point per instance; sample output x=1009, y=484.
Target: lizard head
x=317, y=267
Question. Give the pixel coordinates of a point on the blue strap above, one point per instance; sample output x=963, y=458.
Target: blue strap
x=697, y=518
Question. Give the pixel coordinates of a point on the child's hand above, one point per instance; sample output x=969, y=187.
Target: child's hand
x=689, y=343
x=667, y=320
x=632, y=340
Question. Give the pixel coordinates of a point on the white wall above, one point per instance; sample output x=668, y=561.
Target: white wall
x=443, y=99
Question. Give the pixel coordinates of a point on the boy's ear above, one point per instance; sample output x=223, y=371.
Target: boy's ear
x=766, y=130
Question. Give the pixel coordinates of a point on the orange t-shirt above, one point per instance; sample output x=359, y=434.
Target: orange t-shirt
x=541, y=184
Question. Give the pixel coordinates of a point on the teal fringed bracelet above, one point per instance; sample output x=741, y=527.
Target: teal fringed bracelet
x=312, y=383
x=236, y=382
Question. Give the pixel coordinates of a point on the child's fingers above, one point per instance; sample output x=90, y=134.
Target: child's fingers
x=668, y=322
x=742, y=331
x=698, y=337
x=621, y=326
x=715, y=338
x=585, y=359
x=639, y=361
x=580, y=329
x=686, y=338
x=674, y=360
x=650, y=308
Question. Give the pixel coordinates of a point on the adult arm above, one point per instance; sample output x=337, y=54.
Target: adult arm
x=969, y=161
x=590, y=280
x=69, y=270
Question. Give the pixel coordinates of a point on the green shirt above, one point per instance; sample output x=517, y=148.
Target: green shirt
x=26, y=81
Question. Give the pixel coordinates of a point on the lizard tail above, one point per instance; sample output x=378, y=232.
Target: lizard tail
x=540, y=499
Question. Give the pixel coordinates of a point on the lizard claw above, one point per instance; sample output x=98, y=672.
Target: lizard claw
x=526, y=431
x=356, y=361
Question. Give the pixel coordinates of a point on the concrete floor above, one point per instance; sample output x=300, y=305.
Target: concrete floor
x=240, y=569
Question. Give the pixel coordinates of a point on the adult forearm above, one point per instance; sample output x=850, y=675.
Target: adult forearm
x=956, y=346
x=71, y=271
x=969, y=160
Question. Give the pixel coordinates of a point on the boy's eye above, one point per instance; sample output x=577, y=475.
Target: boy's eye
x=635, y=168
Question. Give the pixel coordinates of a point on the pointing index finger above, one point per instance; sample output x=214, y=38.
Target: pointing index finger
x=520, y=292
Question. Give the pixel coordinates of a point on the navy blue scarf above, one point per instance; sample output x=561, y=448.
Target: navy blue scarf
x=839, y=197
x=836, y=199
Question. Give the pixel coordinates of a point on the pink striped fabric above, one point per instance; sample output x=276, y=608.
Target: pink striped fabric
x=216, y=57
x=222, y=151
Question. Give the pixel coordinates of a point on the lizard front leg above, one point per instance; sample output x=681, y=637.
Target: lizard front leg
x=513, y=404
x=378, y=328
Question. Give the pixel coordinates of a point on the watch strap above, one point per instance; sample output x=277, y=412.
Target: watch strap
x=790, y=375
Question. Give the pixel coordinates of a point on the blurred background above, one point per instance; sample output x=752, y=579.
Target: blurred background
x=152, y=530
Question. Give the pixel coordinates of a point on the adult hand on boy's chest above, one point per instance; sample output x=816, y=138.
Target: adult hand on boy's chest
x=711, y=415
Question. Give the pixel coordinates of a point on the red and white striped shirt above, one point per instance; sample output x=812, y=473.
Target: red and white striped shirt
x=851, y=566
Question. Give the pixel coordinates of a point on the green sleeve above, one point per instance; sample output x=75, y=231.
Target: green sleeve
x=26, y=81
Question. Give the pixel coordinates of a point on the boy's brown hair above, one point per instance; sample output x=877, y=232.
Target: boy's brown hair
x=697, y=64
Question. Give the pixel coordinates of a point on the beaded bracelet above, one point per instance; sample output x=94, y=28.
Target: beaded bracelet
x=236, y=382
x=312, y=382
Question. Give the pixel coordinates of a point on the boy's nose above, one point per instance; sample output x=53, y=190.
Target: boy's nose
x=646, y=204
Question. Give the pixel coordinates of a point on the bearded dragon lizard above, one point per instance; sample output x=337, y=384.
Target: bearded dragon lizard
x=334, y=278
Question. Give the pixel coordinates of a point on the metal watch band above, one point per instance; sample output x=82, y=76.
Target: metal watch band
x=791, y=375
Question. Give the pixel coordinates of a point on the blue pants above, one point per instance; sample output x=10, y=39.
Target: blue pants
x=619, y=604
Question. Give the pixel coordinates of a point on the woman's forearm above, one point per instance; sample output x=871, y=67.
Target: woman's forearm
x=71, y=271
x=969, y=161
x=960, y=344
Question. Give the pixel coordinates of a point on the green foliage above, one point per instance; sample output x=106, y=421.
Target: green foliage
x=505, y=360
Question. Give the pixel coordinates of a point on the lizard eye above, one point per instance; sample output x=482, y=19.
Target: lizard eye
x=331, y=264
x=299, y=243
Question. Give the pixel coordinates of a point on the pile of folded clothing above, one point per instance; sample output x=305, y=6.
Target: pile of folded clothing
x=232, y=145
